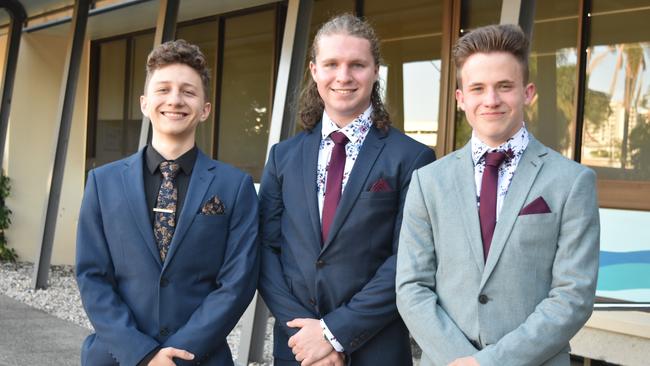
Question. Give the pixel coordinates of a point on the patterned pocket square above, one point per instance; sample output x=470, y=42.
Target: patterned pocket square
x=538, y=206
x=381, y=186
x=213, y=206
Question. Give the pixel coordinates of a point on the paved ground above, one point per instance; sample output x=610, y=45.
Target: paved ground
x=31, y=337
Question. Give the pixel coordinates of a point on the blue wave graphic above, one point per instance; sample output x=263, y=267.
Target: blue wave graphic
x=612, y=258
x=624, y=277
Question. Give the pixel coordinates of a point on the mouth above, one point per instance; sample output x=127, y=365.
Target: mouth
x=174, y=115
x=343, y=91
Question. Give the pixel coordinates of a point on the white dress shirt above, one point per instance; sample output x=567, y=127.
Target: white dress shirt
x=356, y=132
x=514, y=148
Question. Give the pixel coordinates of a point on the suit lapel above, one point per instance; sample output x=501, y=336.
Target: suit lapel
x=525, y=174
x=133, y=184
x=309, y=169
x=466, y=196
x=372, y=146
x=202, y=176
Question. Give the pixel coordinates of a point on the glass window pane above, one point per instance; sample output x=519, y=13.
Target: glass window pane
x=110, y=130
x=205, y=36
x=410, y=32
x=323, y=10
x=616, y=133
x=552, y=66
x=246, y=84
x=474, y=14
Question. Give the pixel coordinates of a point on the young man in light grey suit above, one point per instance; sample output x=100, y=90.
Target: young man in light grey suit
x=498, y=252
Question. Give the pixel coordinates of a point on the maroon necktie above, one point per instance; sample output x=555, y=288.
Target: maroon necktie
x=334, y=181
x=488, y=200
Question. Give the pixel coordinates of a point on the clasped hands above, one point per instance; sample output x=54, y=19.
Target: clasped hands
x=310, y=347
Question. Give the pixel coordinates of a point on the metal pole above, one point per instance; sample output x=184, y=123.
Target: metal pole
x=283, y=121
x=18, y=16
x=66, y=107
x=165, y=31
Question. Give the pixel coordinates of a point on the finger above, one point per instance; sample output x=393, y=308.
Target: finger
x=292, y=341
x=296, y=323
x=180, y=353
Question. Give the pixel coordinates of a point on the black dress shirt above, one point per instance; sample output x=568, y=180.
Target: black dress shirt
x=152, y=182
x=153, y=177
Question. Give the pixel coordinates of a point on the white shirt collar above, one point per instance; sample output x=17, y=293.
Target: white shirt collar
x=514, y=146
x=353, y=130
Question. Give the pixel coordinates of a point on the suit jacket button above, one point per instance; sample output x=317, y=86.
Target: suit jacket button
x=483, y=299
x=164, y=282
x=312, y=302
x=320, y=263
x=164, y=332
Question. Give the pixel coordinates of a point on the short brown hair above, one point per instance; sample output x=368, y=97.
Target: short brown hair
x=310, y=105
x=179, y=52
x=493, y=38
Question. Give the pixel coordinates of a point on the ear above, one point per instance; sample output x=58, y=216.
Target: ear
x=205, y=112
x=529, y=93
x=460, y=99
x=312, y=69
x=143, y=105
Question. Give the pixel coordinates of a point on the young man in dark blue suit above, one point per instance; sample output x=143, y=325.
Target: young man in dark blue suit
x=167, y=256
x=331, y=207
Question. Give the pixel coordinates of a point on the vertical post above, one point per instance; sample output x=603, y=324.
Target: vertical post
x=283, y=123
x=66, y=107
x=581, y=76
x=290, y=70
x=447, y=107
x=521, y=12
x=165, y=31
x=18, y=16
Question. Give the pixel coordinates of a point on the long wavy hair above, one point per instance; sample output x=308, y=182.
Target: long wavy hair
x=310, y=104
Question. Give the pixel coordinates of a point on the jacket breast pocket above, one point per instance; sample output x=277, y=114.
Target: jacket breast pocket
x=535, y=236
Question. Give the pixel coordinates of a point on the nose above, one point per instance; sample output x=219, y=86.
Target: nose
x=175, y=97
x=343, y=74
x=491, y=98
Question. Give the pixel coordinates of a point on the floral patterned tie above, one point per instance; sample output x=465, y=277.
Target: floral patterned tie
x=165, y=211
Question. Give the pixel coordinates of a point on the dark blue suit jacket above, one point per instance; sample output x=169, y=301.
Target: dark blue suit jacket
x=349, y=281
x=192, y=300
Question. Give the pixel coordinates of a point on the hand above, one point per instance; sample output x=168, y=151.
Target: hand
x=308, y=345
x=332, y=359
x=464, y=361
x=165, y=357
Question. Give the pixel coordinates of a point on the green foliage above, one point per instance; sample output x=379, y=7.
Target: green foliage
x=6, y=253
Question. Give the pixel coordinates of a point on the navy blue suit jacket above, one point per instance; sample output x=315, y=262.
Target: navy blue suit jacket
x=349, y=281
x=191, y=301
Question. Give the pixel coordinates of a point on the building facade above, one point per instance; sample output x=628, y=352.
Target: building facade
x=589, y=60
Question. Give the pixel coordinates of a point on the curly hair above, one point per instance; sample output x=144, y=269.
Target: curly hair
x=179, y=52
x=492, y=38
x=310, y=105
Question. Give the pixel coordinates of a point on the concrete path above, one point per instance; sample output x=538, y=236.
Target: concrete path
x=30, y=336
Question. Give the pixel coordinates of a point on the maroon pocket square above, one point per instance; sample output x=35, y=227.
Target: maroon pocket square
x=381, y=186
x=538, y=206
x=213, y=206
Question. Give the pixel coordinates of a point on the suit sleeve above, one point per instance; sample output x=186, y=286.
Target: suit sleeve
x=430, y=325
x=570, y=301
x=272, y=286
x=221, y=309
x=110, y=316
x=372, y=308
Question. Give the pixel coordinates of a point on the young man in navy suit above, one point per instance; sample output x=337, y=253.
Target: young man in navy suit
x=331, y=206
x=167, y=255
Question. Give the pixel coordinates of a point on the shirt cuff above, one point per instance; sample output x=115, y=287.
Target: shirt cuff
x=330, y=337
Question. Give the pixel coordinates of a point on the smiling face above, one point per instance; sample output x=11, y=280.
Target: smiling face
x=344, y=72
x=493, y=95
x=175, y=103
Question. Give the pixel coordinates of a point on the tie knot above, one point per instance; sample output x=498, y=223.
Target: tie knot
x=169, y=169
x=495, y=158
x=339, y=138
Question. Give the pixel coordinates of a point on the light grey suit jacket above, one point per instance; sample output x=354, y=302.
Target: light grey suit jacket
x=536, y=289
